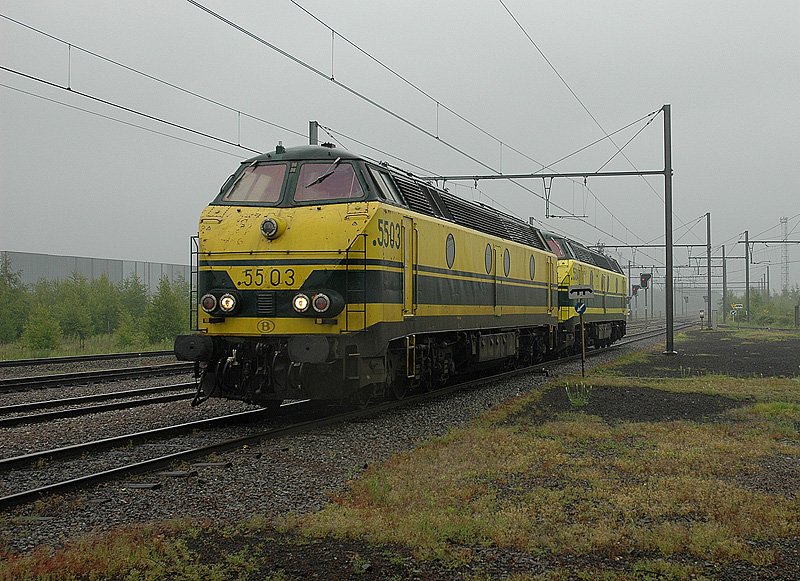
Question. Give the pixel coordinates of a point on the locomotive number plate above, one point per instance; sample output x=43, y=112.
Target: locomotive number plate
x=265, y=278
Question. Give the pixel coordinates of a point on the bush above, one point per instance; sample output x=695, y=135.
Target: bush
x=14, y=301
x=42, y=331
x=168, y=313
x=133, y=297
x=104, y=304
x=129, y=335
x=73, y=306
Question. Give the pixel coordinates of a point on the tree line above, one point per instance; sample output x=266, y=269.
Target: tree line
x=777, y=310
x=41, y=316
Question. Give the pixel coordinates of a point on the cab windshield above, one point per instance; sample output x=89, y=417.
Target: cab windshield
x=320, y=182
x=258, y=183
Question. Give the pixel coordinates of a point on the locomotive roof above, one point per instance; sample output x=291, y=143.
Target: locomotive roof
x=303, y=153
x=419, y=197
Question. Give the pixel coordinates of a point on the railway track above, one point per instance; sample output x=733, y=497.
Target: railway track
x=82, y=358
x=30, y=461
x=79, y=377
x=146, y=396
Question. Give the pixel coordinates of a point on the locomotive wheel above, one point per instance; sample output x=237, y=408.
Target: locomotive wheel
x=398, y=388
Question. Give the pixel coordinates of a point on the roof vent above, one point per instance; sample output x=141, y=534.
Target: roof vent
x=280, y=148
x=328, y=144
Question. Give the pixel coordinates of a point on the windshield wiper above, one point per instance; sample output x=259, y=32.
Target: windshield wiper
x=327, y=174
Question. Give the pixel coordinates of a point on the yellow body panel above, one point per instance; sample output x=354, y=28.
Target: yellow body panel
x=230, y=240
x=605, y=283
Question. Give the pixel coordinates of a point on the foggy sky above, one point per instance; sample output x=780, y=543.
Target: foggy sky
x=76, y=183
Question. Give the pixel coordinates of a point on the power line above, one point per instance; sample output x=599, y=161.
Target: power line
x=369, y=100
x=118, y=120
x=578, y=99
x=339, y=84
x=474, y=125
x=127, y=109
x=182, y=127
x=148, y=76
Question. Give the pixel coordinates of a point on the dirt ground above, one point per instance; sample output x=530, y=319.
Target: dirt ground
x=726, y=353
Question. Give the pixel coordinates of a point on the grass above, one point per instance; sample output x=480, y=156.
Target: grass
x=95, y=345
x=758, y=389
x=174, y=550
x=572, y=484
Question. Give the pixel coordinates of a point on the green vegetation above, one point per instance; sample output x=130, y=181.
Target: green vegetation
x=778, y=311
x=578, y=394
x=173, y=550
x=77, y=315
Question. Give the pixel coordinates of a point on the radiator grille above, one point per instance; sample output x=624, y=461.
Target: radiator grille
x=265, y=304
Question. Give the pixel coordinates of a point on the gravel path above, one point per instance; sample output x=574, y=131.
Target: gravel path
x=296, y=473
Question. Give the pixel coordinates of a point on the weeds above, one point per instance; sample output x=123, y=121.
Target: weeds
x=578, y=394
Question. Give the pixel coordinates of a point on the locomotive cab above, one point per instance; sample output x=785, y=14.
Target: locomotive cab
x=282, y=280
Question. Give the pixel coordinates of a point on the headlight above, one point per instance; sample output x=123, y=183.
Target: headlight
x=227, y=302
x=208, y=303
x=300, y=303
x=269, y=228
x=321, y=302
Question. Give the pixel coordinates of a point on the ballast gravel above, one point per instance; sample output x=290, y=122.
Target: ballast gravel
x=294, y=474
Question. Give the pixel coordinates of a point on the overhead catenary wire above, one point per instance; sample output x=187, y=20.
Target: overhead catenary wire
x=502, y=143
x=148, y=76
x=128, y=123
x=218, y=103
x=228, y=142
x=339, y=84
x=127, y=109
x=578, y=99
x=367, y=99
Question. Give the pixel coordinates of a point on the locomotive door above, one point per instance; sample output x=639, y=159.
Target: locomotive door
x=498, y=310
x=409, y=262
x=549, y=264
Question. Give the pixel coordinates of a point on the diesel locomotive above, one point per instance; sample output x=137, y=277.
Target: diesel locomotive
x=324, y=275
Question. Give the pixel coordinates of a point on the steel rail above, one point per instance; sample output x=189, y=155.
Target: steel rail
x=94, y=409
x=82, y=358
x=42, y=381
x=65, y=452
x=167, y=460
x=82, y=399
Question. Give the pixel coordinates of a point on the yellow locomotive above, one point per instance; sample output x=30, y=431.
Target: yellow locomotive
x=324, y=275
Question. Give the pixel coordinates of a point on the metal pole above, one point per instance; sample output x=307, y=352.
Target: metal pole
x=708, y=254
x=768, y=284
x=630, y=287
x=724, y=287
x=653, y=298
x=747, y=275
x=313, y=132
x=670, y=345
x=583, y=349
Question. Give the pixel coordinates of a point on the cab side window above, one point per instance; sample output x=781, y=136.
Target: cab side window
x=386, y=187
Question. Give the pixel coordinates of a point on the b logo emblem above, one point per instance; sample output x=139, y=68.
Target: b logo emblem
x=265, y=326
